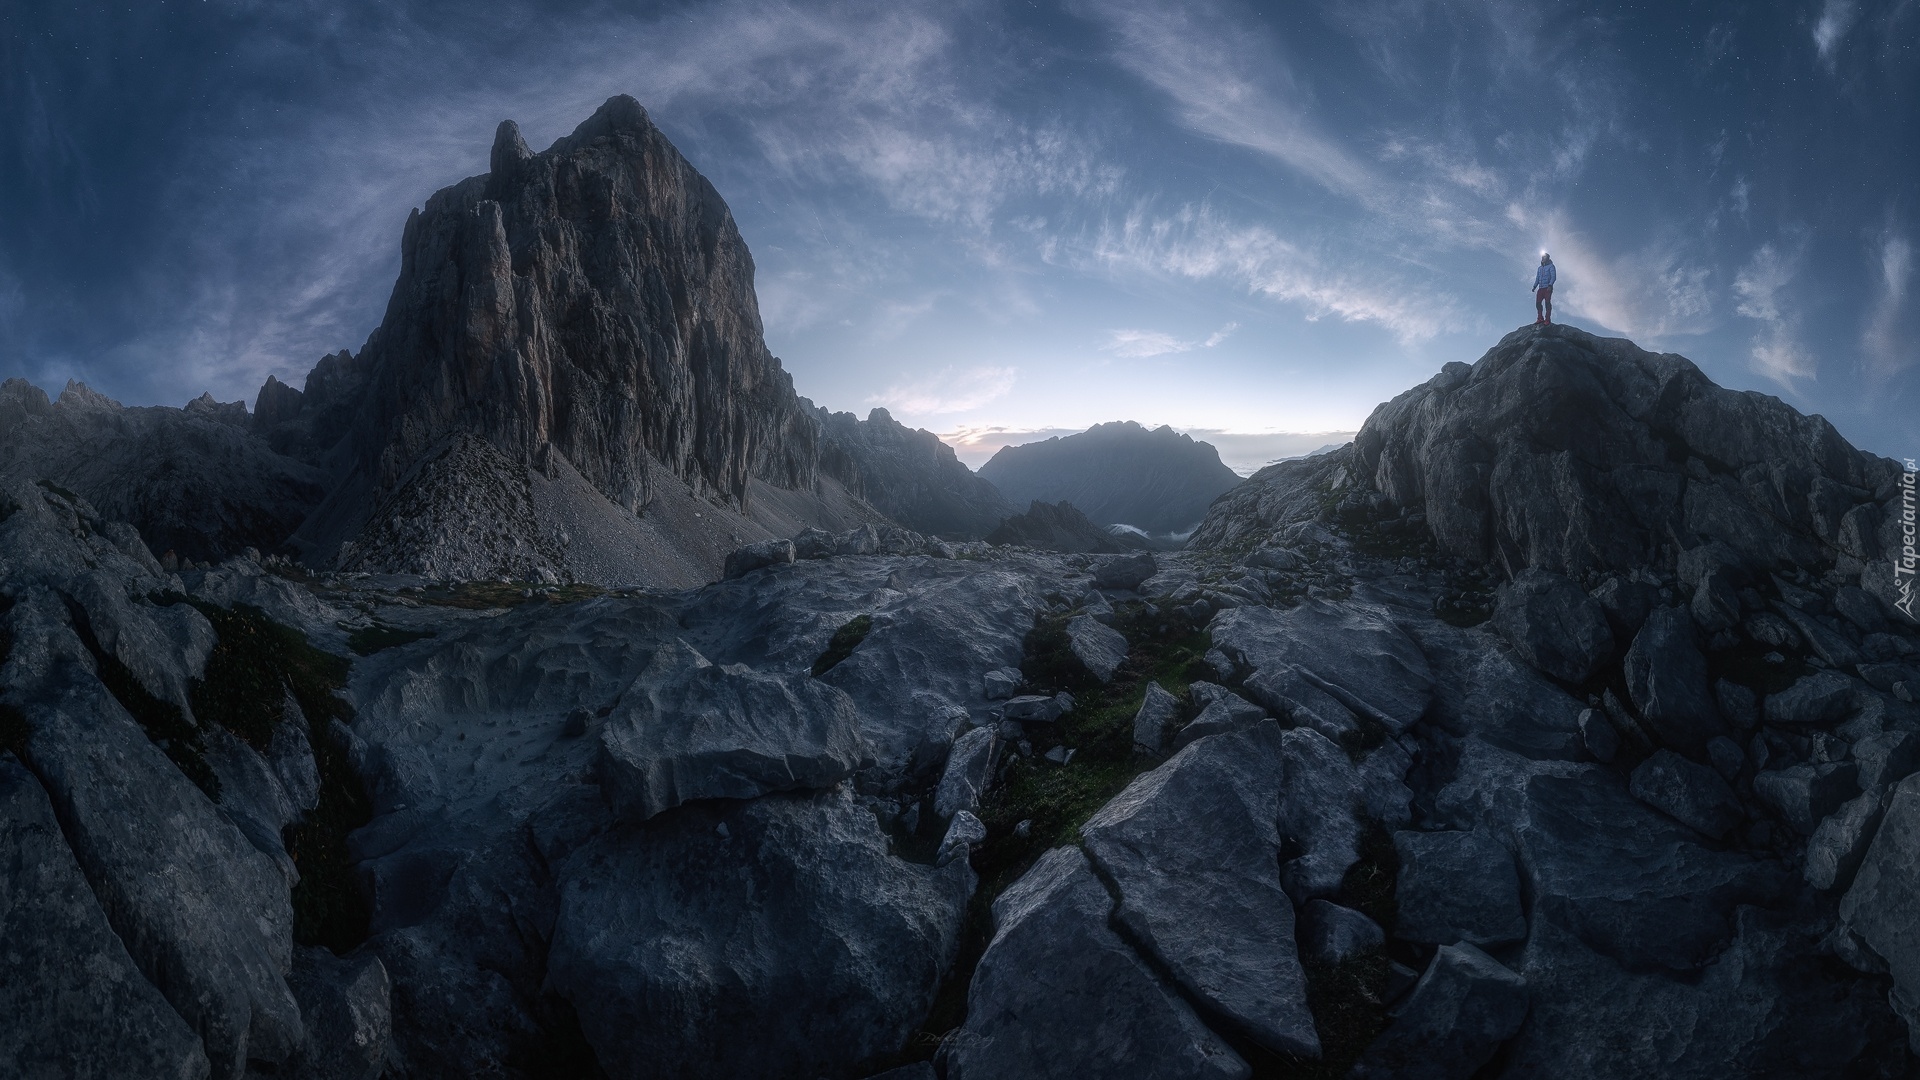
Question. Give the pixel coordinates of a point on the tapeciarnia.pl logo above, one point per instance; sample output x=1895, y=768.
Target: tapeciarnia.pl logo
x=1903, y=563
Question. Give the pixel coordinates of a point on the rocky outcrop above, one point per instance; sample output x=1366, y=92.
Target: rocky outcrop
x=1157, y=481
x=909, y=475
x=1573, y=453
x=1058, y=527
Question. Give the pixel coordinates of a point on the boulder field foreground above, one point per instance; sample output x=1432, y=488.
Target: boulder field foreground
x=1562, y=725
x=1559, y=726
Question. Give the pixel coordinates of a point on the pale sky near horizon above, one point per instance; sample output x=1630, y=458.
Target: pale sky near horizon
x=1002, y=219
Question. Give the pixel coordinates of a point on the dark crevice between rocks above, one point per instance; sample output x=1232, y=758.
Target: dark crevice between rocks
x=1348, y=999
x=164, y=722
x=254, y=664
x=1057, y=799
x=844, y=641
x=14, y=729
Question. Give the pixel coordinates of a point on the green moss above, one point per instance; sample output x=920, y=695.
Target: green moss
x=371, y=639
x=254, y=663
x=844, y=641
x=1056, y=800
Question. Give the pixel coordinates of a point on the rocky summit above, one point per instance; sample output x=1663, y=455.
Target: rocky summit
x=1560, y=726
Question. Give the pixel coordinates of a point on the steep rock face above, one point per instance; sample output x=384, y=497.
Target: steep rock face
x=909, y=475
x=1572, y=453
x=191, y=480
x=594, y=300
x=1158, y=481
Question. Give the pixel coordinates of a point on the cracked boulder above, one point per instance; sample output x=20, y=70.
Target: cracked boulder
x=689, y=729
x=776, y=938
x=1059, y=996
x=1192, y=849
x=1554, y=625
x=1354, y=652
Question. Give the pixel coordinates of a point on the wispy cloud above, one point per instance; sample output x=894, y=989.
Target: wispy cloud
x=1760, y=285
x=1135, y=344
x=949, y=391
x=1227, y=81
x=1198, y=244
x=1890, y=346
x=1830, y=29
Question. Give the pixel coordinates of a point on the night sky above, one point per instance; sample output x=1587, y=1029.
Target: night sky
x=999, y=219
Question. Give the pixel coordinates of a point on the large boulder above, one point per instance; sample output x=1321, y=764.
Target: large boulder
x=1456, y=886
x=1667, y=680
x=1323, y=804
x=1193, y=851
x=347, y=1004
x=1355, y=652
x=1821, y=698
x=75, y=1002
x=1459, y=1013
x=1059, y=996
x=690, y=729
x=1099, y=647
x=1630, y=881
x=1688, y=792
x=1158, y=710
x=1554, y=625
x=745, y=560
x=1879, y=908
x=777, y=937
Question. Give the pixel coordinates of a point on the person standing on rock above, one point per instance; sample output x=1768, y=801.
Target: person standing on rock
x=1543, y=291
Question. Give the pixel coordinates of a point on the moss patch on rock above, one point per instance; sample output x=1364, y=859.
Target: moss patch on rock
x=844, y=641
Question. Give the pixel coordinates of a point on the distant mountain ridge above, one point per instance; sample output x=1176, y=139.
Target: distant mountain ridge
x=1121, y=473
x=909, y=475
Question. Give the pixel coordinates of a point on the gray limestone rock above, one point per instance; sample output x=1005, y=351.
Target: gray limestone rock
x=1554, y=625
x=1322, y=800
x=346, y=1003
x=1879, y=906
x=963, y=832
x=1667, y=679
x=1099, y=647
x=1158, y=710
x=1228, y=712
x=203, y=914
x=1001, y=683
x=1627, y=603
x=1598, y=735
x=792, y=946
x=745, y=560
x=1034, y=709
x=1727, y=757
x=1570, y=452
x=1354, y=652
x=1766, y=1006
x=1192, y=851
x=1289, y=692
x=1459, y=1013
x=1840, y=841
x=1125, y=571
x=1331, y=934
x=1886, y=758
x=1059, y=996
x=1821, y=698
x=1739, y=704
x=1456, y=886
x=969, y=771
x=1630, y=881
x=689, y=729
x=1801, y=795
x=1688, y=792
x=75, y=1003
